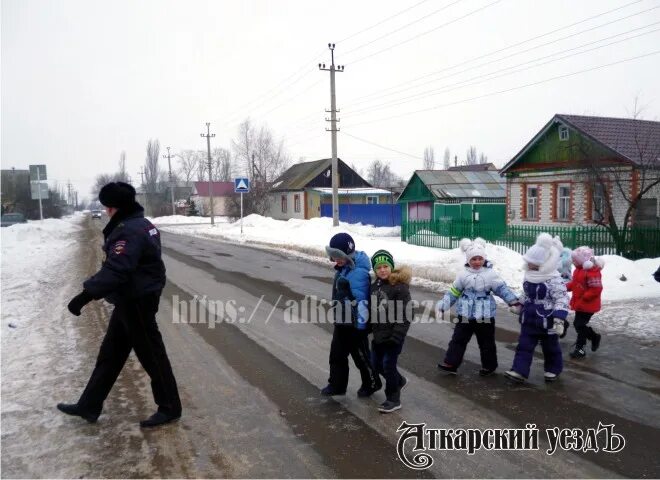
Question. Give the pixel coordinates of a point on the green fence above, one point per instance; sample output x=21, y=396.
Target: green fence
x=639, y=242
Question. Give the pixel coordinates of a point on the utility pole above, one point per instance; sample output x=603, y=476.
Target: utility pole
x=208, y=136
x=333, y=129
x=169, y=165
x=144, y=189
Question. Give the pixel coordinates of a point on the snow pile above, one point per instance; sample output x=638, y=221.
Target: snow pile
x=30, y=255
x=182, y=219
x=430, y=265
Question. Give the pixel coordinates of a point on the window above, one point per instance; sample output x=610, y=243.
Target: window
x=283, y=203
x=372, y=200
x=532, y=202
x=296, y=203
x=563, y=133
x=599, y=203
x=563, y=202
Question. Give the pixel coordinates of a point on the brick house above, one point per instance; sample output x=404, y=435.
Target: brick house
x=551, y=180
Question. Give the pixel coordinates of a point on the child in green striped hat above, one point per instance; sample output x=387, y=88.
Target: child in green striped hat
x=391, y=309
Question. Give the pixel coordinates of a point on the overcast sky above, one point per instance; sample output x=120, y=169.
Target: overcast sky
x=83, y=80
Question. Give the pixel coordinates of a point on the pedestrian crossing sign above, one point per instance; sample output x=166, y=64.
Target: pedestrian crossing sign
x=241, y=185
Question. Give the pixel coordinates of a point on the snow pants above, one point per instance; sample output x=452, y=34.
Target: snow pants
x=584, y=331
x=133, y=326
x=485, y=333
x=348, y=340
x=530, y=335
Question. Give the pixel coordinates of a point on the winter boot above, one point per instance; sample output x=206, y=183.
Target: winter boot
x=595, y=341
x=578, y=352
x=445, y=367
x=75, y=410
x=367, y=390
x=515, y=376
x=330, y=391
x=550, y=377
x=159, y=418
x=403, y=383
x=389, y=406
x=485, y=372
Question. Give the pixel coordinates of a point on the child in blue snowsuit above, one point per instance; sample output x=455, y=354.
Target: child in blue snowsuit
x=544, y=309
x=473, y=292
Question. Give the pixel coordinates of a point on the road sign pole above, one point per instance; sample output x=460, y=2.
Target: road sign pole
x=41, y=209
x=241, y=213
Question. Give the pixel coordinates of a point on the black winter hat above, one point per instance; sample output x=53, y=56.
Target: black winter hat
x=343, y=242
x=117, y=195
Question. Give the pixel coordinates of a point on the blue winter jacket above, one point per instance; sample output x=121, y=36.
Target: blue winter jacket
x=473, y=290
x=359, y=281
x=132, y=266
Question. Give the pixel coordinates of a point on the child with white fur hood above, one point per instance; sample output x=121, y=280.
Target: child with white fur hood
x=473, y=292
x=544, y=309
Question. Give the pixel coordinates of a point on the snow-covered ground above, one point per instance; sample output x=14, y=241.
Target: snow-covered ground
x=430, y=264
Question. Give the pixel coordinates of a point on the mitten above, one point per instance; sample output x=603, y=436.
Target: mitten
x=559, y=326
x=515, y=308
x=79, y=301
x=344, y=289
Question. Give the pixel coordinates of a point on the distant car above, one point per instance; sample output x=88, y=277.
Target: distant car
x=9, y=219
x=97, y=213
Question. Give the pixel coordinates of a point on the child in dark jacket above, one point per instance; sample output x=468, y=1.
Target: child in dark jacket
x=390, y=304
x=587, y=287
x=544, y=309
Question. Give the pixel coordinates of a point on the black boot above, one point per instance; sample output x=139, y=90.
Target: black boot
x=595, y=341
x=76, y=411
x=330, y=391
x=159, y=418
x=368, y=390
x=578, y=352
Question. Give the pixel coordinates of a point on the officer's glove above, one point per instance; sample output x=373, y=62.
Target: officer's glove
x=439, y=312
x=79, y=301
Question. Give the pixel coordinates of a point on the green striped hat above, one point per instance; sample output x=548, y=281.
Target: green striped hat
x=380, y=257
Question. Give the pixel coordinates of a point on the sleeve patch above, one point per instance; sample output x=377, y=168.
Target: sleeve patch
x=119, y=247
x=153, y=231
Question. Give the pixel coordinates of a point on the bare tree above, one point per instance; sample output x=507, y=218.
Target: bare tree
x=483, y=158
x=446, y=158
x=222, y=165
x=257, y=152
x=609, y=182
x=471, y=156
x=357, y=170
x=429, y=158
x=379, y=174
x=99, y=181
x=122, y=174
x=151, y=168
x=187, y=165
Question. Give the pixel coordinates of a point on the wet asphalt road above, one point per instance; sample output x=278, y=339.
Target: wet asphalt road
x=277, y=367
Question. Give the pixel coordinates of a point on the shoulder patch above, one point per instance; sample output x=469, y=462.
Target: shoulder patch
x=153, y=231
x=118, y=247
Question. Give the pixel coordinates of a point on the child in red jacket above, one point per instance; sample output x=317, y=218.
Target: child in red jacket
x=586, y=286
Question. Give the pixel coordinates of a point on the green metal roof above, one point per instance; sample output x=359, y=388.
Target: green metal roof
x=457, y=184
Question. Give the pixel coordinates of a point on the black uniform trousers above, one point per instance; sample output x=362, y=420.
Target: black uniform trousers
x=133, y=326
x=347, y=340
x=485, y=332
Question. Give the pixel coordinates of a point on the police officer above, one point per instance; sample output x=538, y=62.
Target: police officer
x=132, y=277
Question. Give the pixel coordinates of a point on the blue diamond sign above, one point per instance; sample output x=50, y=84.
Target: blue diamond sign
x=241, y=185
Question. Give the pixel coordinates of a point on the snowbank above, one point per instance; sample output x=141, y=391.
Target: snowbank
x=182, y=219
x=429, y=264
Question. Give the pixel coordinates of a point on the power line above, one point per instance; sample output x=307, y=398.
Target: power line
x=426, y=32
x=382, y=21
x=519, y=87
x=403, y=27
x=508, y=71
x=515, y=45
x=382, y=146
